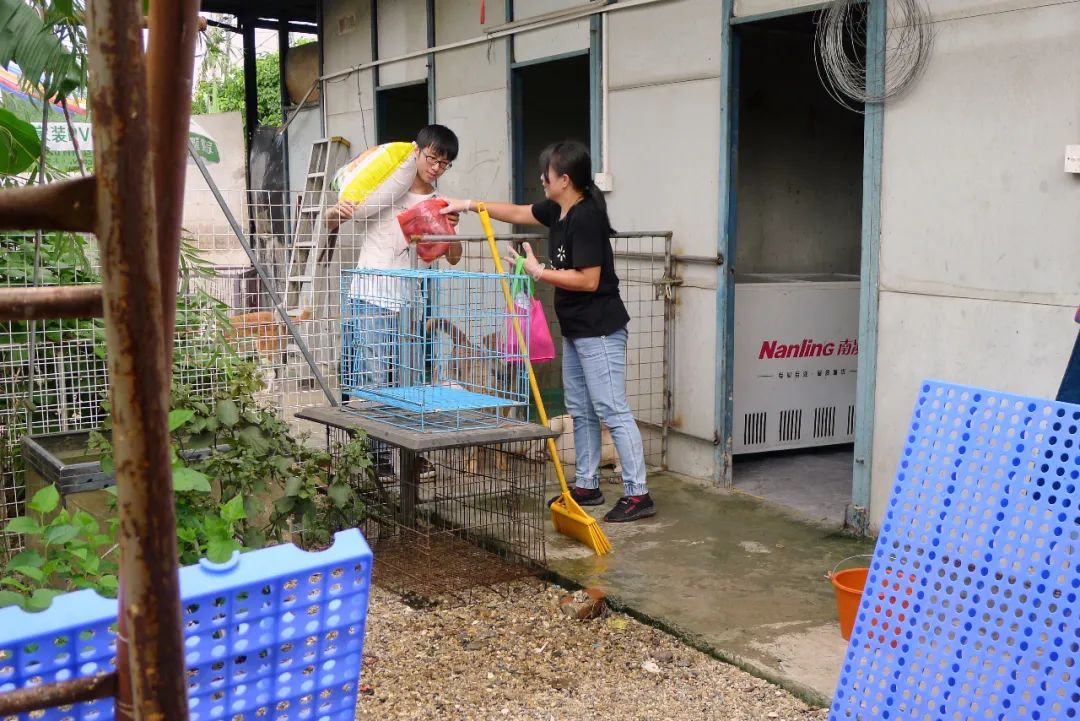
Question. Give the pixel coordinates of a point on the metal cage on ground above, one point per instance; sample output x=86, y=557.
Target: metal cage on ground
x=449, y=512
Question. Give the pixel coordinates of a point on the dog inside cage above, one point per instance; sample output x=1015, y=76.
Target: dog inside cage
x=423, y=343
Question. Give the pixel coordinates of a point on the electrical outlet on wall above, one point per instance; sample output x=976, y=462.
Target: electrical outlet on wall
x=605, y=181
x=1072, y=159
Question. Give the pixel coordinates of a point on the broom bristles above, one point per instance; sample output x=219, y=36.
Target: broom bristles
x=570, y=520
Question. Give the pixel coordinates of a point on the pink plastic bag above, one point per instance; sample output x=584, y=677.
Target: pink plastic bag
x=527, y=306
x=424, y=219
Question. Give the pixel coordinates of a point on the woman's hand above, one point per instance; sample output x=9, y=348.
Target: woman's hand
x=532, y=265
x=454, y=218
x=456, y=207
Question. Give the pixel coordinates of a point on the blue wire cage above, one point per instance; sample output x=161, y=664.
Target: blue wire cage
x=433, y=350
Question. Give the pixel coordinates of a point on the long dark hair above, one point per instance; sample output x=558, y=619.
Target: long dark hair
x=571, y=158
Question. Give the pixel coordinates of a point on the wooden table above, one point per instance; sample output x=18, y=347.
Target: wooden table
x=412, y=442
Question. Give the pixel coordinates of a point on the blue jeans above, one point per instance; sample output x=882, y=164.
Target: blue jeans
x=1069, y=392
x=594, y=378
x=368, y=346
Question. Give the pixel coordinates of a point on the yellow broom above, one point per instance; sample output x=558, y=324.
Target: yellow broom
x=566, y=514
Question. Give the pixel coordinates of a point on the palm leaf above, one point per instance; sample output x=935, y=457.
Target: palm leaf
x=19, y=144
x=28, y=41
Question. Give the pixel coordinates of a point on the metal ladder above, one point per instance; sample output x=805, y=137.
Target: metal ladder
x=310, y=237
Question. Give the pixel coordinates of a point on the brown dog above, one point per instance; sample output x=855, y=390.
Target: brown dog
x=270, y=334
x=474, y=368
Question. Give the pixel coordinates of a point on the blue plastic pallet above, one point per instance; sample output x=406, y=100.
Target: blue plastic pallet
x=970, y=610
x=275, y=634
x=432, y=399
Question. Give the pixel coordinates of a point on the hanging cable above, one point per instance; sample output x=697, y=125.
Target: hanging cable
x=842, y=50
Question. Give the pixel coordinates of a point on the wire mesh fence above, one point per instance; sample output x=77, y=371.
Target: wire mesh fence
x=477, y=518
x=645, y=267
x=53, y=374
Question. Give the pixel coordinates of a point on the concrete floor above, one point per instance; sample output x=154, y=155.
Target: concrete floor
x=813, y=483
x=728, y=572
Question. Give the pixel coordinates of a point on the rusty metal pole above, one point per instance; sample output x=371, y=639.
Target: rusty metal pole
x=58, y=693
x=63, y=205
x=150, y=658
x=174, y=28
x=57, y=301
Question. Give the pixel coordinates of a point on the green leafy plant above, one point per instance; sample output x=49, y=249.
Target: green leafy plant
x=73, y=349
x=256, y=484
x=220, y=88
x=19, y=144
x=66, y=552
x=289, y=488
x=33, y=35
x=241, y=478
x=226, y=93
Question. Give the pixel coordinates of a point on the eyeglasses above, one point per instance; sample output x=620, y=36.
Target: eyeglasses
x=439, y=164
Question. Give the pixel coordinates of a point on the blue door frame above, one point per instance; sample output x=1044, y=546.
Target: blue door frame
x=727, y=242
x=514, y=110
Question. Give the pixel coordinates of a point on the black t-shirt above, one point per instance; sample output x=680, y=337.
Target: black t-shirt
x=582, y=240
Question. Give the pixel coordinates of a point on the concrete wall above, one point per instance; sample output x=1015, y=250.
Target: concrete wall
x=304, y=131
x=745, y=8
x=979, y=250
x=669, y=181
x=203, y=218
x=800, y=160
x=978, y=256
x=349, y=100
x=402, y=29
x=545, y=42
x=471, y=98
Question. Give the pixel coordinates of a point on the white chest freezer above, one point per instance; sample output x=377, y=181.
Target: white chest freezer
x=796, y=357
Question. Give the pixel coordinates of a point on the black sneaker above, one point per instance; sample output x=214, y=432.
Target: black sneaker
x=631, y=508
x=583, y=496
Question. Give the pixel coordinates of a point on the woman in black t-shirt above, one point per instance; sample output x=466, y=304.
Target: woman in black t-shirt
x=592, y=317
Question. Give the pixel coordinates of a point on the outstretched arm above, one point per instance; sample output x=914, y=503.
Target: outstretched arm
x=506, y=212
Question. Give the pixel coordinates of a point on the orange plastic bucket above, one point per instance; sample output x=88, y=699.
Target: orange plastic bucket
x=848, y=587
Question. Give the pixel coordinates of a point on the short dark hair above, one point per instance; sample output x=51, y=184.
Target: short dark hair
x=439, y=138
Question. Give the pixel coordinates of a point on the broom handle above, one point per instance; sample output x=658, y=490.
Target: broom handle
x=485, y=220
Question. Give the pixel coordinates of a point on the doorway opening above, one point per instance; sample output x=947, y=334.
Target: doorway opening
x=401, y=111
x=551, y=102
x=797, y=258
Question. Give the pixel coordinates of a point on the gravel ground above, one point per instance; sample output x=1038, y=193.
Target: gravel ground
x=510, y=653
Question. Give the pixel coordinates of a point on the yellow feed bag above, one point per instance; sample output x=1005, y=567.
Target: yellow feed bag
x=378, y=176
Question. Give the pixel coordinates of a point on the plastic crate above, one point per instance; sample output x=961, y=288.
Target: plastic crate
x=272, y=634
